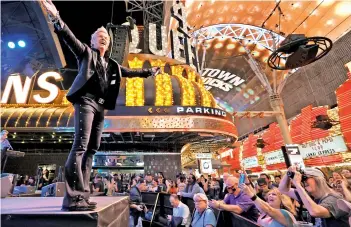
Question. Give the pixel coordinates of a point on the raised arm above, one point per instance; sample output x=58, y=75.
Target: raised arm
x=136, y=72
x=195, y=189
x=62, y=29
x=264, y=207
x=284, y=187
x=313, y=208
x=139, y=72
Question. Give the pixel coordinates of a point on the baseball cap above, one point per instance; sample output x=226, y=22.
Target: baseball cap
x=313, y=172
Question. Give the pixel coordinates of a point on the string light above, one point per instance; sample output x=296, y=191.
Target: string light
x=153, y=40
x=135, y=41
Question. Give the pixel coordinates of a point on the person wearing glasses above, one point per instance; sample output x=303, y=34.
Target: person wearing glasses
x=236, y=201
x=315, y=194
x=203, y=215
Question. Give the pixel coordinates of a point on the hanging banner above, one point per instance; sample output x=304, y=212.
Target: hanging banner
x=323, y=147
x=206, y=166
x=274, y=157
x=250, y=162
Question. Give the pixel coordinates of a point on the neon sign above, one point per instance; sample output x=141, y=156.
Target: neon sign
x=220, y=79
x=22, y=91
x=181, y=46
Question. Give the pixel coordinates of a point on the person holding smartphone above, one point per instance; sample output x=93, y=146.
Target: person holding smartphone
x=278, y=211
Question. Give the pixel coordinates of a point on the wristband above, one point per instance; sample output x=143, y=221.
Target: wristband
x=253, y=198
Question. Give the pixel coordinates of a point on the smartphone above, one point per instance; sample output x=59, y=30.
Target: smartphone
x=242, y=179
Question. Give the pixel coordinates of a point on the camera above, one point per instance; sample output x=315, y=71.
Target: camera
x=292, y=174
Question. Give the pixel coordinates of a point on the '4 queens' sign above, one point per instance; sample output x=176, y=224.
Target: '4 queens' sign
x=182, y=48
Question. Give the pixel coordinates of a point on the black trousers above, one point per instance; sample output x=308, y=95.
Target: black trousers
x=88, y=126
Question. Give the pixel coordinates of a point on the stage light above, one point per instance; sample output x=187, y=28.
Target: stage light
x=11, y=44
x=21, y=43
x=298, y=50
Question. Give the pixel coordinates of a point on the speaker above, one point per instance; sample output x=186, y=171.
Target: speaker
x=6, y=185
x=120, y=36
x=54, y=190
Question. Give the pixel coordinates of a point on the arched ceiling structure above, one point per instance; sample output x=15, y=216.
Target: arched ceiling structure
x=223, y=20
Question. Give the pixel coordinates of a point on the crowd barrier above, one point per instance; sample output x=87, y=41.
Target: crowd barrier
x=160, y=206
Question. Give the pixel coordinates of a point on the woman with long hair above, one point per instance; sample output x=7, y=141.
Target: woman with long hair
x=278, y=211
x=314, y=192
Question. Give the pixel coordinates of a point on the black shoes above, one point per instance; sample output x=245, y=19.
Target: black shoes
x=80, y=204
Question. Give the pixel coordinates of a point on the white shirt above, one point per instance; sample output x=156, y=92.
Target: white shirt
x=183, y=211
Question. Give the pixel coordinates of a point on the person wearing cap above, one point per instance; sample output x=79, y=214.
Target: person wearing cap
x=236, y=201
x=94, y=90
x=323, y=206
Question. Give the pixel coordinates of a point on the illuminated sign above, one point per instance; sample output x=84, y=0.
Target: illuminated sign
x=274, y=157
x=203, y=155
x=181, y=46
x=201, y=110
x=250, y=162
x=323, y=147
x=220, y=79
x=22, y=91
x=206, y=166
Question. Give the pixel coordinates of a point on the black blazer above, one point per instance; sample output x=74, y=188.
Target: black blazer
x=87, y=59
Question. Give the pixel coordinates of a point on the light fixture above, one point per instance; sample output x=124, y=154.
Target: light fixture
x=11, y=45
x=299, y=50
x=21, y=43
x=230, y=46
x=218, y=45
x=260, y=143
x=324, y=122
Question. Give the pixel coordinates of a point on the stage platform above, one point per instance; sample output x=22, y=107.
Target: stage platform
x=46, y=211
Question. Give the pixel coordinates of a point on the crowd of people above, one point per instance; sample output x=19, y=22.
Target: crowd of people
x=288, y=199
x=297, y=198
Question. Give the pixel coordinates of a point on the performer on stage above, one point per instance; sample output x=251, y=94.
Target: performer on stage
x=4, y=146
x=94, y=90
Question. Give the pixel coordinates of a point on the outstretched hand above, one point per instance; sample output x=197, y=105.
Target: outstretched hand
x=50, y=7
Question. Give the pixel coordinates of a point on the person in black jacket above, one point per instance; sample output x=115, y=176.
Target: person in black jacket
x=94, y=90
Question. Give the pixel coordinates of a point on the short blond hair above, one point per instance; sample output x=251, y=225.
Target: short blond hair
x=101, y=29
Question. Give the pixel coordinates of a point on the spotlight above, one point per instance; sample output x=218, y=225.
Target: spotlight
x=298, y=50
x=21, y=43
x=324, y=122
x=260, y=143
x=11, y=44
